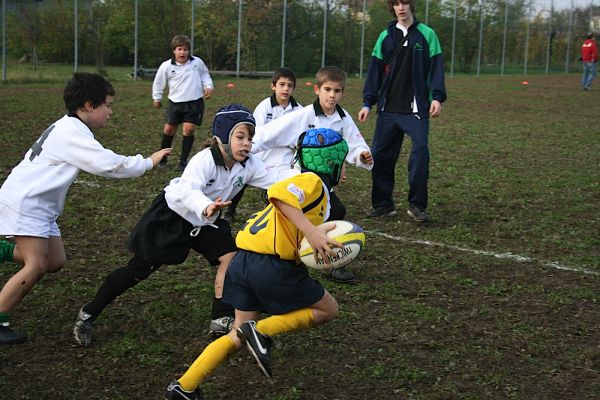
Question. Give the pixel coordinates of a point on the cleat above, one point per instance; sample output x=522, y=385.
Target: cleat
x=417, y=213
x=382, y=212
x=220, y=326
x=259, y=345
x=340, y=275
x=176, y=392
x=8, y=336
x=164, y=161
x=82, y=330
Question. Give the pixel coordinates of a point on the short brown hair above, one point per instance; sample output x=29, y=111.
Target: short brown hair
x=181, y=40
x=332, y=74
x=392, y=3
x=283, y=72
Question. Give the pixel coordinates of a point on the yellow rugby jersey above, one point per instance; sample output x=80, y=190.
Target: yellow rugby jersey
x=270, y=232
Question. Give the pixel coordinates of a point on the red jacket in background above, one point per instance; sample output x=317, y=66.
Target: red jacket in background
x=589, y=51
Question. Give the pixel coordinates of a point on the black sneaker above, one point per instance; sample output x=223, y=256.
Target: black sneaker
x=417, y=213
x=164, y=161
x=82, y=330
x=340, y=275
x=176, y=392
x=220, y=326
x=382, y=212
x=8, y=336
x=180, y=166
x=258, y=344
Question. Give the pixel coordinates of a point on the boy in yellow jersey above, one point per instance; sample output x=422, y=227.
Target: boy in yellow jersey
x=265, y=275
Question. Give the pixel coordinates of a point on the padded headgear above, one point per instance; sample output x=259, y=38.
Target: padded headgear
x=227, y=118
x=323, y=151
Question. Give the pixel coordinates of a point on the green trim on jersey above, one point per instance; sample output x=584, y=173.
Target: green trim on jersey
x=434, y=44
x=377, y=53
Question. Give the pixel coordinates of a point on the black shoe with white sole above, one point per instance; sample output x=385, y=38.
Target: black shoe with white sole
x=258, y=344
x=417, y=213
x=176, y=392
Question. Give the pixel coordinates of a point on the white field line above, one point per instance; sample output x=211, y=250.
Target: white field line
x=507, y=256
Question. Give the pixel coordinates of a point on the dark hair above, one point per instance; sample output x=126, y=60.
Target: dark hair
x=283, y=72
x=331, y=73
x=411, y=3
x=85, y=86
x=181, y=40
x=589, y=36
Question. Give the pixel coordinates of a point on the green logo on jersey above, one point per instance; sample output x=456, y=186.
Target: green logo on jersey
x=239, y=182
x=418, y=47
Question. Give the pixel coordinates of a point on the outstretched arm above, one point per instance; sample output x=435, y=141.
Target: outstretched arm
x=316, y=236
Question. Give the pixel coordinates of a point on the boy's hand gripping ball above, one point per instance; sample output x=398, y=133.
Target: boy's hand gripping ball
x=347, y=233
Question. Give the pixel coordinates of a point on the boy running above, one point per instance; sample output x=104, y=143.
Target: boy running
x=185, y=216
x=33, y=196
x=266, y=276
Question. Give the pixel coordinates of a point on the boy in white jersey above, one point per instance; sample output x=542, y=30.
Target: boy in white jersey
x=325, y=112
x=185, y=216
x=265, y=275
x=283, y=85
x=33, y=195
x=189, y=83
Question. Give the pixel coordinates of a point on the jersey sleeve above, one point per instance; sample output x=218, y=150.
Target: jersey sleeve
x=185, y=195
x=264, y=177
x=301, y=191
x=281, y=132
x=356, y=143
x=205, y=77
x=160, y=81
x=87, y=154
x=260, y=112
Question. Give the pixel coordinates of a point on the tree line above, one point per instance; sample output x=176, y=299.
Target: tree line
x=472, y=32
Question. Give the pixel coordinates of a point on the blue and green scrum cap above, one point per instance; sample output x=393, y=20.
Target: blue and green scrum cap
x=323, y=151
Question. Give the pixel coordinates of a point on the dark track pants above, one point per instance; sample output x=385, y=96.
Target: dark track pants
x=387, y=143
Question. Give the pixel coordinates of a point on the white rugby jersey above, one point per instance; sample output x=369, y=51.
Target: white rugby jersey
x=38, y=185
x=206, y=178
x=186, y=82
x=265, y=112
x=285, y=131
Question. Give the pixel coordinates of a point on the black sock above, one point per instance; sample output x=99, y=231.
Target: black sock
x=166, y=141
x=118, y=282
x=186, y=148
x=220, y=309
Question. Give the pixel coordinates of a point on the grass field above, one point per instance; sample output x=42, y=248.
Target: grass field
x=498, y=297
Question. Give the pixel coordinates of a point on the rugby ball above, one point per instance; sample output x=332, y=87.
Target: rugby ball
x=347, y=233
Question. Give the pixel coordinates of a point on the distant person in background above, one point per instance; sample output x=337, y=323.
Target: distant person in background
x=406, y=80
x=189, y=83
x=589, y=57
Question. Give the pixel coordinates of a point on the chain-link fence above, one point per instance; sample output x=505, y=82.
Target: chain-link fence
x=246, y=37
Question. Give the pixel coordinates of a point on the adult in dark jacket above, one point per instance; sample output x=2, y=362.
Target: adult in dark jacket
x=406, y=80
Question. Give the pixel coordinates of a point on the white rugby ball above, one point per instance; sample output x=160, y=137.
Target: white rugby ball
x=347, y=233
